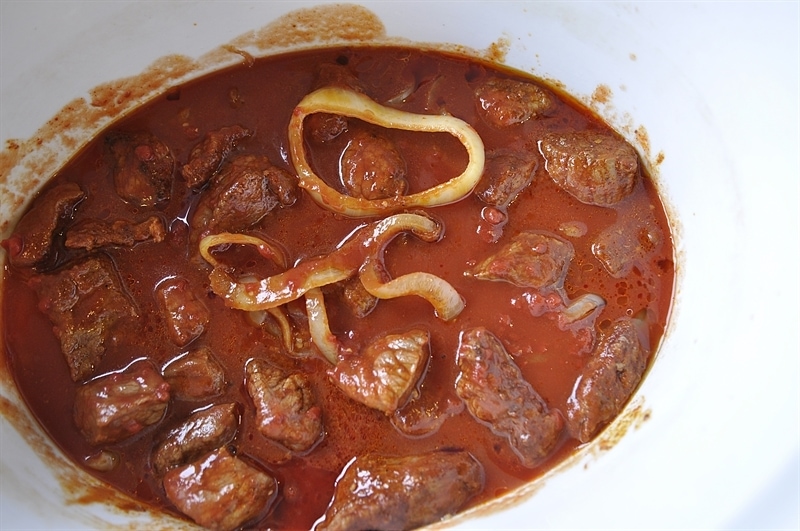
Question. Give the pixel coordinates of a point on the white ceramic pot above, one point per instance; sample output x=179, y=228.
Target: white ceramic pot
x=712, y=87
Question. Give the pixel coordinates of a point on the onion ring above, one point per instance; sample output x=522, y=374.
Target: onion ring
x=337, y=100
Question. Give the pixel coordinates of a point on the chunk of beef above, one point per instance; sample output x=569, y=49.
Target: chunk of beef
x=357, y=298
x=93, y=234
x=505, y=175
x=203, y=432
x=120, y=405
x=186, y=315
x=286, y=410
x=142, y=167
x=384, y=374
x=323, y=127
x=532, y=259
x=596, y=168
x=607, y=382
x=85, y=303
x=219, y=491
x=426, y=413
x=336, y=75
x=628, y=242
x=207, y=157
x=195, y=376
x=495, y=393
x=506, y=102
x=372, y=168
x=379, y=492
x=245, y=191
x=32, y=239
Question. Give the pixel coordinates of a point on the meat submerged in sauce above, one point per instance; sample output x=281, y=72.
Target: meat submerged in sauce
x=381, y=288
x=33, y=236
x=204, y=431
x=385, y=492
x=117, y=406
x=93, y=234
x=142, y=167
x=220, y=491
x=286, y=409
x=492, y=387
x=597, y=168
x=85, y=302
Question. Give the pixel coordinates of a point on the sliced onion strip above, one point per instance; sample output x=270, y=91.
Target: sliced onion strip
x=265, y=249
x=286, y=328
x=337, y=100
x=446, y=301
x=318, y=325
x=369, y=241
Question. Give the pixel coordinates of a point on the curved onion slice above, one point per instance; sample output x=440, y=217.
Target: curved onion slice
x=321, y=333
x=446, y=301
x=336, y=100
x=369, y=241
x=265, y=249
x=581, y=308
x=286, y=328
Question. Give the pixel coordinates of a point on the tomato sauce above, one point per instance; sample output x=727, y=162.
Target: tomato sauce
x=261, y=97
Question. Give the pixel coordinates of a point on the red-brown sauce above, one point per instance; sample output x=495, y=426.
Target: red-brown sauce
x=261, y=97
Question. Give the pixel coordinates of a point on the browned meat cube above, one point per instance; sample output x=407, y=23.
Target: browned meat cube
x=628, y=242
x=384, y=374
x=357, y=298
x=207, y=157
x=286, y=410
x=85, y=303
x=245, y=191
x=195, y=376
x=506, y=102
x=186, y=315
x=377, y=492
x=142, y=167
x=495, y=392
x=533, y=259
x=120, y=405
x=596, y=168
x=219, y=491
x=33, y=237
x=372, y=168
x=323, y=127
x=92, y=234
x=336, y=75
x=204, y=431
x=616, y=366
x=505, y=175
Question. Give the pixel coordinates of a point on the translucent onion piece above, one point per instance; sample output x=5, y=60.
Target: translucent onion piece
x=266, y=249
x=369, y=241
x=336, y=100
x=446, y=301
x=285, y=326
x=321, y=333
x=581, y=308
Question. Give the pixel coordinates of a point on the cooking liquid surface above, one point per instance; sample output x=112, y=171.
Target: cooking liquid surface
x=261, y=98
